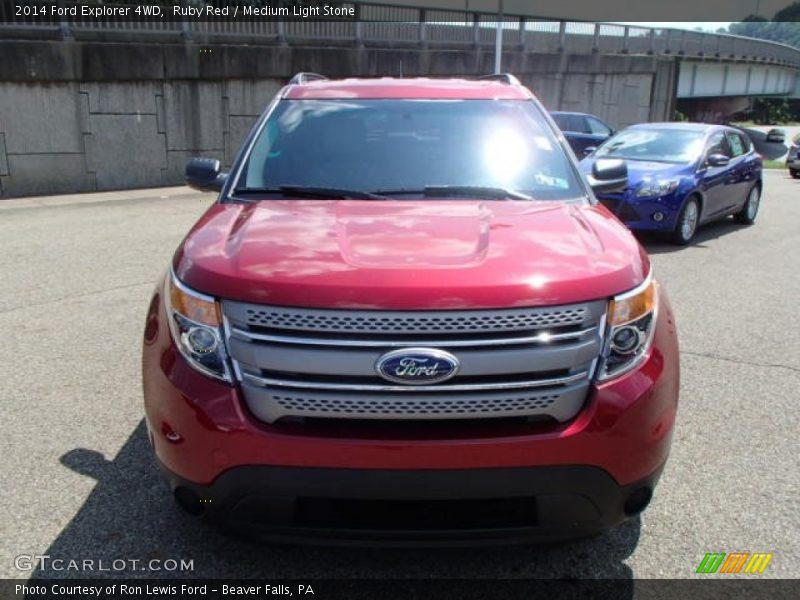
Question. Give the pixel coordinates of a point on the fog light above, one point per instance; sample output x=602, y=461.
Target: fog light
x=201, y=340
x=658, y=216
x=626, y=340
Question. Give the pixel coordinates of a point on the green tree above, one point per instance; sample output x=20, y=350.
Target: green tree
x=784, y=26
x=771, y=111
x=790, y=13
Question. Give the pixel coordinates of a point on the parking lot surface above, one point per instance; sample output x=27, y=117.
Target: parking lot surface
x=79, y=481
x=772, y=150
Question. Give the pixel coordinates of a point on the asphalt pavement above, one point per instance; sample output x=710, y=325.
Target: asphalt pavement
x=79, y=482
x=772, y=150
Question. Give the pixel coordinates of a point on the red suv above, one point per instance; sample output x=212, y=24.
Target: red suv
x=407, y=319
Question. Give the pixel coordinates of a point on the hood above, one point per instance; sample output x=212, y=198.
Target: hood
x=409, y=254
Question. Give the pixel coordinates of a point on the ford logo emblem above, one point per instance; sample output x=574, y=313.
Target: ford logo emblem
x=417, y=366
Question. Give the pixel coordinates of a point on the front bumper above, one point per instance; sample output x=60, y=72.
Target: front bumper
x=638, y=213
x=207, y=441
x=404, y=508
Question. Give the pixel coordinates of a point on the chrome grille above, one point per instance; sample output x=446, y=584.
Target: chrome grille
x=320, y=363
x=270, y=404
x=386, y=322
x=390, y=407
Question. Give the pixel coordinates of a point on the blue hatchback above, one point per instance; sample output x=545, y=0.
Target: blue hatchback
x=681, y=175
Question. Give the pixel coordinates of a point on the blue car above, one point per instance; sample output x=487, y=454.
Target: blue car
x=681, y=175
x=582, y=131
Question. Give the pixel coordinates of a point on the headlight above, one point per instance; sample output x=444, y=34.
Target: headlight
x=655, y=188
x=196, y=327
x=629, y=335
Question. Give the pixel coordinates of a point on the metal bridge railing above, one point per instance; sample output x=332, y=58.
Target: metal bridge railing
x=402, y=25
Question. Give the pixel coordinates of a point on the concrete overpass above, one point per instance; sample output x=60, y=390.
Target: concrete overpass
x=716, y=79
x=714, y=90
x=108, y=104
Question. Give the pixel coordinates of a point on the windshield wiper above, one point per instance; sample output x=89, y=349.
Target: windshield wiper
x=430, y=191
x=307, y=191
x=451, y=191
x=611, y=148
x=497, y=193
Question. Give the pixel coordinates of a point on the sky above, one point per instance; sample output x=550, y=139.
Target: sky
x=691, y=13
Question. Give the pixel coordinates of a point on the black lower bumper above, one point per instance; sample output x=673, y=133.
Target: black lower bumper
x=412, y=508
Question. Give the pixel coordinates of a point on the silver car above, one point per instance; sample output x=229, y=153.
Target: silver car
x=776, y=136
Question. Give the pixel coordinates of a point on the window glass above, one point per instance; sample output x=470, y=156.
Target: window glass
x=654, y=144
x=748, y=143
x=737, y=144
x=578, y=124
x=718, y=144
x=597, y=127
x=571, y=123
x=561, y=121
x=394, y=145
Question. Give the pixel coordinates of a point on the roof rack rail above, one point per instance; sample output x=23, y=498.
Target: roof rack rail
x=507, y=78
x=301, y=78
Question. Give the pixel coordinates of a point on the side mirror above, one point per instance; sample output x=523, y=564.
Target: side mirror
x=588, y=150
x=609, y=175
x=717, y=160
x=204, y=174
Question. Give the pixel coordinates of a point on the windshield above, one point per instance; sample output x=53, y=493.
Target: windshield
x=405, y=147
x=658, y=145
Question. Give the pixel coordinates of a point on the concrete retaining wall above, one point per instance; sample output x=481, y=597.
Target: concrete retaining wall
x=80, y=117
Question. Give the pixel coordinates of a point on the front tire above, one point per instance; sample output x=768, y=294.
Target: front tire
x=688, y=219
x=795, y=174
x=747, y=216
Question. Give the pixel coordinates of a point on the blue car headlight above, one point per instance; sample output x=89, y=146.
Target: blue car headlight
x=655, y=188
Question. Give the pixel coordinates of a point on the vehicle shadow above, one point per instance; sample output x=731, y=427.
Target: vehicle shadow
x=658, y=244
x=130, y=515
x=769, y=150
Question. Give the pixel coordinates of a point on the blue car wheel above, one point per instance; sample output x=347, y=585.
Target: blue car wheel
x=686, y=225
x=747, y=215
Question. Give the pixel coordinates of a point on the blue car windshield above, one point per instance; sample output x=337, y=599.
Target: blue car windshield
x=668, y=145
x=400, y=148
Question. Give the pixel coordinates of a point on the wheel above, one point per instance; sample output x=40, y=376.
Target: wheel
x=686, y=226
x=747, y=215
x=795, y=174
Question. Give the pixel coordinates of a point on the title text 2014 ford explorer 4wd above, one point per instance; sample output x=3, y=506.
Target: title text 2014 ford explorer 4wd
x=407, y=319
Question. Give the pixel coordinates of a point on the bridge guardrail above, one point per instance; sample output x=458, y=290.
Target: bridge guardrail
x=407, y=25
